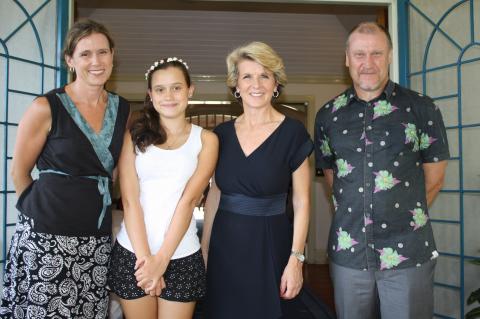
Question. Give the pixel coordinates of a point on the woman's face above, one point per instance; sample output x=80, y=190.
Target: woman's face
x=92, y=59
x=255, y=84
x=170, y=92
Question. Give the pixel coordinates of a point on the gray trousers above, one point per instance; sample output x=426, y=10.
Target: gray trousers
x=387, y=294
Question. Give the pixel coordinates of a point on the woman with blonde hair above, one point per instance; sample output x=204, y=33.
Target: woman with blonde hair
x=254, y=256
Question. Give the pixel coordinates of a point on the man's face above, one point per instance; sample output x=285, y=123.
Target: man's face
x=368, y=58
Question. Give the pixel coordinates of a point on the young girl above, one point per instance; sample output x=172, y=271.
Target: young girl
x=165, y=165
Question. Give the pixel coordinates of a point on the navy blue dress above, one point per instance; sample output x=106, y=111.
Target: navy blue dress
x=248, y=252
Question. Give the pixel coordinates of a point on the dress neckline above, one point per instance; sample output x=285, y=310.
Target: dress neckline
x=259, y=145
x=100, y=141
x=83, y=119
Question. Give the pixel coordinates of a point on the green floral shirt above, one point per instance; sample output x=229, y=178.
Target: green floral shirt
x=376, y=150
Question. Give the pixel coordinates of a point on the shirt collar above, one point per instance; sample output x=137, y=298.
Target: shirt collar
x=386, y=94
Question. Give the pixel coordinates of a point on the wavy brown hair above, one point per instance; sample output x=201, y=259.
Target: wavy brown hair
x=147, y=130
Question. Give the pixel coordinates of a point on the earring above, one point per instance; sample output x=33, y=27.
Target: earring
x=276, y=94
x=71, y=69
x=236, y=94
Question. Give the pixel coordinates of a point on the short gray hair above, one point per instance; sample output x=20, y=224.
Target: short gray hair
x=369, y=27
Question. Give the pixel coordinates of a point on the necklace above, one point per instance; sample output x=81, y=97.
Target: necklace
x=172, y=143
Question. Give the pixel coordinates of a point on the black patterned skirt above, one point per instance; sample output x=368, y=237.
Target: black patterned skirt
x=55, y=276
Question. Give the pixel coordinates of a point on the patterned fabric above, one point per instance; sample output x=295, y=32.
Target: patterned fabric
x=54, y=276
x=376, y=150
x=184, y=277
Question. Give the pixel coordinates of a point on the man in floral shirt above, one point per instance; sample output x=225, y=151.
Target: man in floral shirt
x=383, y=150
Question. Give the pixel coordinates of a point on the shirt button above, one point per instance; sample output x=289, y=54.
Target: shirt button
x=367, y=184
x=369, y=155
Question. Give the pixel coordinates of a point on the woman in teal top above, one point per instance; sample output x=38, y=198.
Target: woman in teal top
x=58, y=259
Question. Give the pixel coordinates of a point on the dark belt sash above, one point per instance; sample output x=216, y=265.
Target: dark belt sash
x=103, y=189
x=253, y=206
x=100, y=143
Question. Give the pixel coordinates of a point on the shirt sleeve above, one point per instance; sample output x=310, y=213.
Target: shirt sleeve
x=218, y=130
x=324, y=158
x=303, y=148
x=433, y=143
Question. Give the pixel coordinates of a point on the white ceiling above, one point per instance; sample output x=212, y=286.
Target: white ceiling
x=311, y=44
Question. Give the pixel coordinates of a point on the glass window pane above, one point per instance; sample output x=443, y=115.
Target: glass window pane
x=447, y=270
x=471, y=215
x=447, y=237
x=446, y=302
x=25, y=77
x=470, y=90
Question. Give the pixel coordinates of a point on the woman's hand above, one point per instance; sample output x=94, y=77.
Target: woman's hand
x=292, y=279
x=149, y=274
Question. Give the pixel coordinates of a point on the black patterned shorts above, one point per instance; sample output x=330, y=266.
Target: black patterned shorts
x=184, y=277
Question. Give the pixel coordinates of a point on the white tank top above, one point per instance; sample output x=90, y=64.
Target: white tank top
x=163, y=175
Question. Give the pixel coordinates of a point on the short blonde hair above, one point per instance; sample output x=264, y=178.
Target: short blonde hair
x=261, y=53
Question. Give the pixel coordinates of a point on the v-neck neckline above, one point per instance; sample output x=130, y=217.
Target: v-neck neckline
x=259, y=145
x=85, y=122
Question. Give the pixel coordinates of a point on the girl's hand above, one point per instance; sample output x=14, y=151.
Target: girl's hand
x=149, y=274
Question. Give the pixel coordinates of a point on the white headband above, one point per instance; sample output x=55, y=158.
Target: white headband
x=157, y=63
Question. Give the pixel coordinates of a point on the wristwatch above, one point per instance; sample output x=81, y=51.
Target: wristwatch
x=298, y=255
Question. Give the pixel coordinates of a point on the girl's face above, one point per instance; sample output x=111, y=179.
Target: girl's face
x=170, y=92
x=92, y=59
